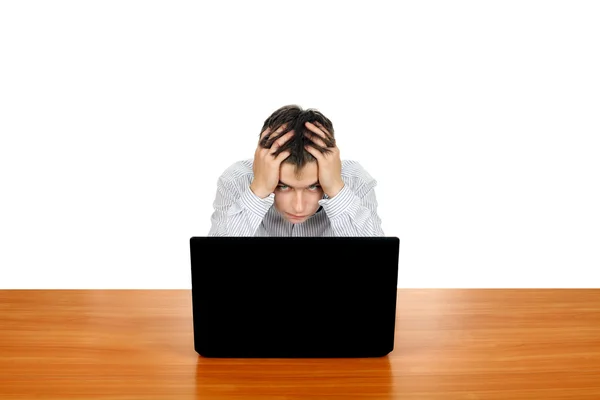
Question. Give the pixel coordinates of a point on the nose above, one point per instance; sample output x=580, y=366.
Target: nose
x=298, y=205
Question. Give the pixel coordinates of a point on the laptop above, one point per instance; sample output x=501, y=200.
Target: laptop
x=291, y=297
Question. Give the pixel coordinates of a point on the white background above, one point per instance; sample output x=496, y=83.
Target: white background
x=479, y=119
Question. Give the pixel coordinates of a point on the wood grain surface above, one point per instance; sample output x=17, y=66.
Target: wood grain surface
x=450, y=344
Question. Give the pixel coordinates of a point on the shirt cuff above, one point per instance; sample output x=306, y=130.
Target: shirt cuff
x=342, y=202
x=255, y=204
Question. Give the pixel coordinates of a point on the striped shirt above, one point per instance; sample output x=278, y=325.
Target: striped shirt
x=239, y=212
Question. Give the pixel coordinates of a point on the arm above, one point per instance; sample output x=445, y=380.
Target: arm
x=354, y=213
x=352, y=207
x=237, y=210
x=240, y=209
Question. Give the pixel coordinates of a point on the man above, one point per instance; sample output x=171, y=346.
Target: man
x=296, y=185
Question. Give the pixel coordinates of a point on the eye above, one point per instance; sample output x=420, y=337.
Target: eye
x=282, y=187
x=313, y=187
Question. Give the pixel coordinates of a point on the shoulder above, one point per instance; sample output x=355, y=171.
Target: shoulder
x=353, y=169
x=357, y=177
x=238, y=171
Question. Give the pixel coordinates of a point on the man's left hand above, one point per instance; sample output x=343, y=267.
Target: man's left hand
x=330, y=164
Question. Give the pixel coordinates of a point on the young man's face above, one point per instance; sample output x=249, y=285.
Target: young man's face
x=297, y=197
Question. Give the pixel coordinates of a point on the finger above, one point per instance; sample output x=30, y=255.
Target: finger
x=320, y=125
x=319, y=141
x=319, y=129
x=282, y=156
x=327, y=139
x=316, y=153
x=330, y=138
x=314, y=128
x=264, y=133
x=281, y=141
x=313, y=137
x=268, y=134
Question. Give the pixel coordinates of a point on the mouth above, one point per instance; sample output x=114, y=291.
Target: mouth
x=295, y=216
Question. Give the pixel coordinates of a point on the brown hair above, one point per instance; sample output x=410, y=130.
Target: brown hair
x=294, y=117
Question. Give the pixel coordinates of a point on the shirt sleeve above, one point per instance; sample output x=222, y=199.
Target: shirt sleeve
x=354, y=212
x=237, y=210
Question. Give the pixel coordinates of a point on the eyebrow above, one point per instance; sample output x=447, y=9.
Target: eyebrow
x=285, y=184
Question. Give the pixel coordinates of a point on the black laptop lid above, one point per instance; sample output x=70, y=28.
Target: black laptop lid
x=294, y=296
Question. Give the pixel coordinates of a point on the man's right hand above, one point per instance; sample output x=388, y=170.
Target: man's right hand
x=266, y=167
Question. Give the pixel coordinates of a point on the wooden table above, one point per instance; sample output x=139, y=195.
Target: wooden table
x=450, y=344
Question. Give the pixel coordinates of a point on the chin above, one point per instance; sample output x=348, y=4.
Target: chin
x=297, y=221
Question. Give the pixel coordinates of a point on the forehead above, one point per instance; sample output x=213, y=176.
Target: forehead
x=305, y=176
